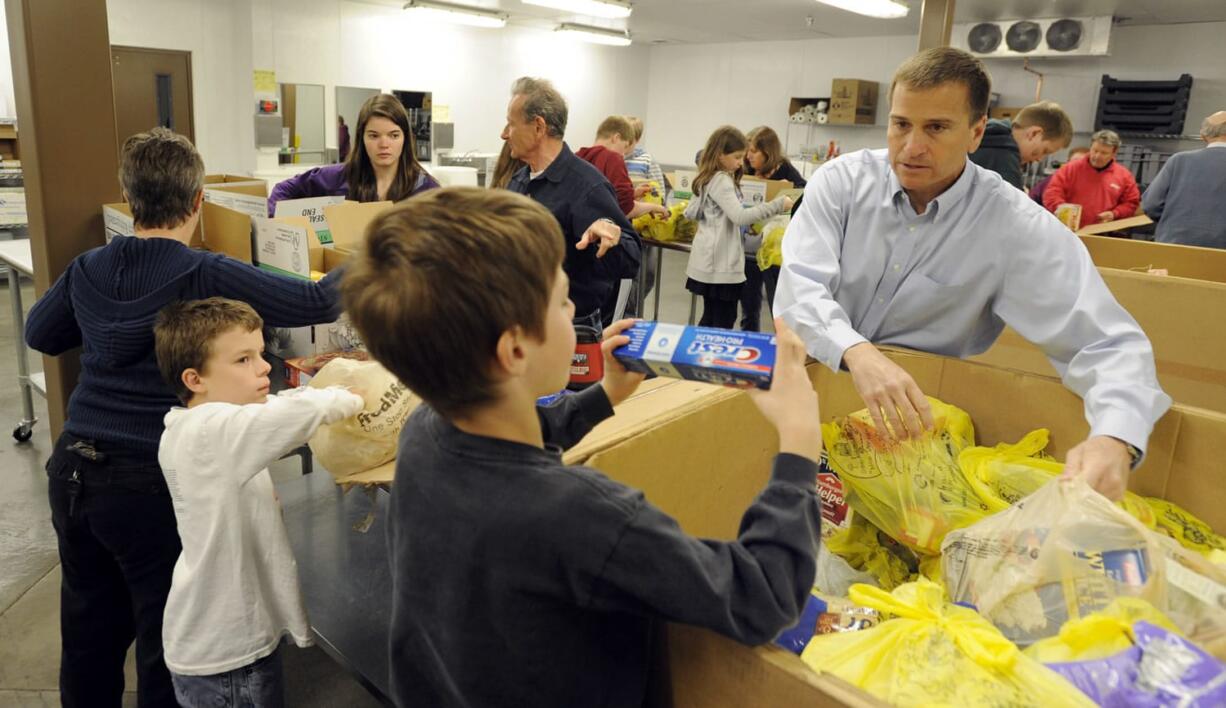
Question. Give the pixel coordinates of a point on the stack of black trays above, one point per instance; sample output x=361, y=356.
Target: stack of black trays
x=1143, y=107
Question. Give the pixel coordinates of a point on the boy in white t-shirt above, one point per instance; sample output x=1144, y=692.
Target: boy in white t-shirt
x=234, y=593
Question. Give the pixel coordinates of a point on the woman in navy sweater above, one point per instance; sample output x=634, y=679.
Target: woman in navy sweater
x=382, y=167
x=118, y=540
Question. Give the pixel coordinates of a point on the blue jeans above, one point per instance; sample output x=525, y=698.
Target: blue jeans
x=257, y=685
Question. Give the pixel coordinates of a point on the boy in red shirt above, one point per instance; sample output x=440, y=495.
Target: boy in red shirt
x=1105, y=189
x=615, y=138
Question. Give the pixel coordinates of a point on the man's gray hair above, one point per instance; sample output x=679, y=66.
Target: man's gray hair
x=1210, y=130
x=1106, y=137
x=161, y=173
x=542, y=100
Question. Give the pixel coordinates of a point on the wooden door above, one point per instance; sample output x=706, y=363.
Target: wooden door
x=152, y=87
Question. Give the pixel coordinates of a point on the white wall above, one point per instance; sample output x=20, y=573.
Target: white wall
x=471, y=70
x=696, y=88
x=333, y=42
x=218, y=35
x=1147, y=53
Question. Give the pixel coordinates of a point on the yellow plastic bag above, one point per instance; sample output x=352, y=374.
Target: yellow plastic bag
x=1005, y=474
x=1189, y=531
x=1099, y=635
x=368, y=439
x=770, y=254
x=1066, y=552
x=913, y=490
x=935, y=653
x=860, y=545
x=673, y=228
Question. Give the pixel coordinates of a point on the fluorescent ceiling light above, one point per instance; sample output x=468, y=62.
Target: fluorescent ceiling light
x=595, y=35
x=873, y=8
x=611, y=9
x=457, y=14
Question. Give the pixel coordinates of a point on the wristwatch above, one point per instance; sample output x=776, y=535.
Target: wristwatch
x=1133, y=452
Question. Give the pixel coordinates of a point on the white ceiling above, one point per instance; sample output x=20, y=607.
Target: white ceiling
x=707, y=21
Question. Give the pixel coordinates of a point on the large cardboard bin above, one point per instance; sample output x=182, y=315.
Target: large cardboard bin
x=1182, y=318
x=705, y=465
x=1182, y=261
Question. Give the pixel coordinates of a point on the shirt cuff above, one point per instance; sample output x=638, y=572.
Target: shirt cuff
x=839, y=338
x=594, y=404
x=1124, y=426
x=796, y=471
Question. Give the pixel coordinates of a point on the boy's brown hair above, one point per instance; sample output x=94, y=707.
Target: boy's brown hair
x=1049, y=116
x=941, y=65
x=441, y=277
x=637, y=124
x=615, y=125
x=185, y=331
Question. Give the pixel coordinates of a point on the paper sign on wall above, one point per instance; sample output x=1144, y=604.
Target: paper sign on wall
x=753, y=193
x=683, y=185
x=313, y=209
x=248, y=204
x=282, y=248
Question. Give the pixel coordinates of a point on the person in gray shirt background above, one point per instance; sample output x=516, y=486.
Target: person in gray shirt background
x=1188, y=197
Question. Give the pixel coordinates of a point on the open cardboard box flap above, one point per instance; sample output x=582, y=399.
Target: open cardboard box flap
x=348, y=221
x=1116, y=225
x=705, y=466
x=1173, y=314
x=1182, y=261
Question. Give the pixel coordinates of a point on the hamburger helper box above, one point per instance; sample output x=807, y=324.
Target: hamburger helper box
x=718, y=356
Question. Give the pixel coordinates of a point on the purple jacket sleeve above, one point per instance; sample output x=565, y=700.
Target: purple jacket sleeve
x=326, y=181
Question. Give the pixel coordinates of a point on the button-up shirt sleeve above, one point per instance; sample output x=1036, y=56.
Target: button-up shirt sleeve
x=1055, y=297
x=811, y=270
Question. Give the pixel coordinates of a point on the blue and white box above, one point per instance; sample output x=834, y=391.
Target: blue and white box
x=718, y=356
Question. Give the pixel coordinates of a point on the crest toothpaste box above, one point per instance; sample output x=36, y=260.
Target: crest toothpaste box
x=718, y=356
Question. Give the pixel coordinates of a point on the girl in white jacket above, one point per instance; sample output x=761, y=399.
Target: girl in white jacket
x=717, y=261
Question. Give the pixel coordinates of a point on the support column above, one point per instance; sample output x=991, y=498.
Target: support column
x=936, y=22
x=66, y=126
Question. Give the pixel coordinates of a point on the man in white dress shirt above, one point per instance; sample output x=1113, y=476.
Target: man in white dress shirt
x=916, y=246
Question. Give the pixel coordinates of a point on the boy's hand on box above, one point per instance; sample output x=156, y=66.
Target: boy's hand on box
x=618, y=383
x=791, y=403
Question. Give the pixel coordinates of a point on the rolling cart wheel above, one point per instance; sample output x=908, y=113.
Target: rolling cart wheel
x=23, y=433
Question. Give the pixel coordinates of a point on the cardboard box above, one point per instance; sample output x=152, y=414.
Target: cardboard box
x=117, y=220
x=282, y=247
x=348, y=221
x=226, y=216
x=768, y=188
x=725, y=462
x=853, y=102
x=683, y=184
x=1182, y=261
x=1180, y=316
x=313, y=210
x=1117, y=225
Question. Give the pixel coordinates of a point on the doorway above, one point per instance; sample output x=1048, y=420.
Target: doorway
x=153, y=87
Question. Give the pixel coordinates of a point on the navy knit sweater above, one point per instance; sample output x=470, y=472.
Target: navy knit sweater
x=106, y=301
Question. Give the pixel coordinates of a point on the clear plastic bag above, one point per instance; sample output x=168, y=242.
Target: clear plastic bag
x=835, y=576
x=1066, y=552
x=368, y=439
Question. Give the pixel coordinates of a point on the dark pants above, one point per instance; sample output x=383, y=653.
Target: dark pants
x=751, y=297
x=118, y=544
x=770, y=278
x=718, y=313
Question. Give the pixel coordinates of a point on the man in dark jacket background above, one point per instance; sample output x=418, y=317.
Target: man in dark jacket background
x=1038, y=130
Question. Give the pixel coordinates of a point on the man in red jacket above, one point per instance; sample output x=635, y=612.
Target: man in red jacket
x=614, y=138
x=1105, y=189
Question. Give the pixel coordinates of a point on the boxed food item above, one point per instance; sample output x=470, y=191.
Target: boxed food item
x=717, y=356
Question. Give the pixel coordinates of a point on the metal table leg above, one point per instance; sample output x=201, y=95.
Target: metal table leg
x=24, y=429
x=659, y=270
x=693, y=307
x=640, y=280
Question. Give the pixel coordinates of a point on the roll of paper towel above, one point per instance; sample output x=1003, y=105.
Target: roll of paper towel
x=449, y=176
x=823, y=118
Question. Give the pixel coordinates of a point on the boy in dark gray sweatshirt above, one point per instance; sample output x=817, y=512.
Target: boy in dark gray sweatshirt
x=518, y=580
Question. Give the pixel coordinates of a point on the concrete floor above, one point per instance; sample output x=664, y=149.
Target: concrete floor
x=29, y=565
